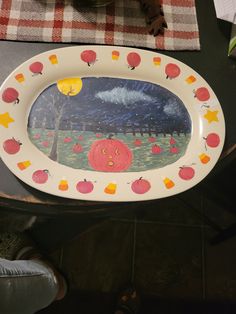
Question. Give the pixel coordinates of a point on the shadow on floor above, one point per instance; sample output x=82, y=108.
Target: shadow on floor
x=91, y=303
x=164, y=248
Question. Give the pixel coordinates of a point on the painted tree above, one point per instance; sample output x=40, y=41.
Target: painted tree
x=57, y=101
x=69, y=87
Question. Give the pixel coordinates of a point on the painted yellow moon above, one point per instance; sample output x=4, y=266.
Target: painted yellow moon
x=70, y=86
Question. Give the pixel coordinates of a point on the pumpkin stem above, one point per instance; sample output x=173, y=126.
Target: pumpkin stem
x=85, y=180
x=140, y=178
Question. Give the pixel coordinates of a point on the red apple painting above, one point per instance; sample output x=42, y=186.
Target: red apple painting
x=186, y=173
x=89, y=57
x=11, y=146
x=10, y=95
x=141, y=186
x=36, y=68
x=172, y=71
x=202, y=94
x=110, y=155
x=84, y=186
x=40, y=176
x=133, y=60
x=212, y=140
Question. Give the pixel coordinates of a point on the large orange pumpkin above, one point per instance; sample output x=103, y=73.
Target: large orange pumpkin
x=110, y=155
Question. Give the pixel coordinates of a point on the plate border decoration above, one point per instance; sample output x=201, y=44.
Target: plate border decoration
x=24, y=84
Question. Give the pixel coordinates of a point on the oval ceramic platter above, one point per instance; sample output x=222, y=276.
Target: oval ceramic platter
x=109, y=124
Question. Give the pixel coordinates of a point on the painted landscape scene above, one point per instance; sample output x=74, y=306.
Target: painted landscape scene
x=109, y=124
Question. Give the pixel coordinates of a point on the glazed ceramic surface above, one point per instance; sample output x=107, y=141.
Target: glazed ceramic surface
x=109, y=124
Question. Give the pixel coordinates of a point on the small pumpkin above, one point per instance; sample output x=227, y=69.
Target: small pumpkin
x=110, y=155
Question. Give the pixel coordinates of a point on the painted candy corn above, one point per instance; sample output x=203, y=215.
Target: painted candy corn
x=23, y=164
x=53, y=59
x=115, y=55
x=157, y=61
x=20, y=78
x=168, y=183
x=204, y=158
x=190, y=79
x=110, y=188
x=63, y=185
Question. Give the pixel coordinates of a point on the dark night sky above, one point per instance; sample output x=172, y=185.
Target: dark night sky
x=110, y=102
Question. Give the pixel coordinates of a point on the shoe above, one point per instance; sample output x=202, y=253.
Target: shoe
x=128, y=301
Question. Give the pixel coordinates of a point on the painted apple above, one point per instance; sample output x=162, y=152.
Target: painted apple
x=67, y=139
x=77, y=148
x=174, y=150
x=36, y=68
x=45, y=143
x=156, y=149
x=40, y=176
x=11, y=146
x=172, y=70
x=133, y=60
x=140, y=186
x=10, y=95
x=88, y=56
x=212, y=140
x=137, y=142
x=186, y=173
x=84, y=186
x=151, y=139
x=202, y=94
x=172, y=141
x=110, y=155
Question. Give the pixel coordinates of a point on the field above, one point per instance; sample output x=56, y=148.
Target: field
x=141, y=146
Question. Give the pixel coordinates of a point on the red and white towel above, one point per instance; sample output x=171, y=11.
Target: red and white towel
x=121, y=23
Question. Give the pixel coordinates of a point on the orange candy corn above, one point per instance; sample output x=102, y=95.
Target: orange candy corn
x=168, y=183
x=204, y=158
x=110, y=188
x=23, y=164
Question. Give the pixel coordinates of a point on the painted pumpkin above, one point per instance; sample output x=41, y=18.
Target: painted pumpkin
x=110, y=155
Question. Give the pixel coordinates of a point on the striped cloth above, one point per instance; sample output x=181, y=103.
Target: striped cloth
x=121, y=23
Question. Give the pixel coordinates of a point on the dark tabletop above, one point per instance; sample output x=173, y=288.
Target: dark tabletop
x=211, y=62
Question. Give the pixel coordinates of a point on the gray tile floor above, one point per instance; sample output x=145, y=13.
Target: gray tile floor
x=164, y=249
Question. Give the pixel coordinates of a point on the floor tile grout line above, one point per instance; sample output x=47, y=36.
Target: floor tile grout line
x=61, y=257
x=204, y=217
x=203, y=251
x=158, y=223
x=134, y=250
x=203, y=264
